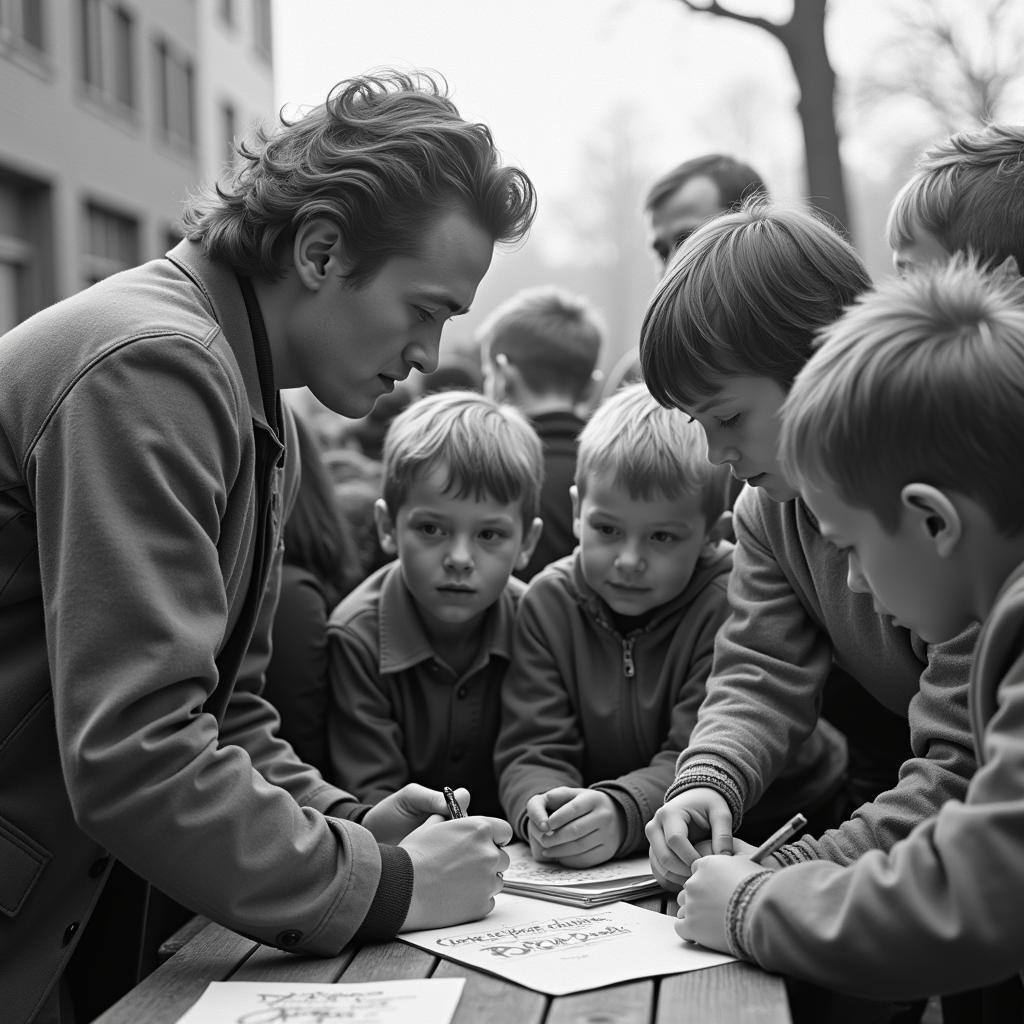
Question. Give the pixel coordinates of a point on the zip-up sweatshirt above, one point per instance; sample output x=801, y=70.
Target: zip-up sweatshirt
x=585, y=706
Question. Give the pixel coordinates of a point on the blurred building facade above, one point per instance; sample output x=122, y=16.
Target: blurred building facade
x=111, y=111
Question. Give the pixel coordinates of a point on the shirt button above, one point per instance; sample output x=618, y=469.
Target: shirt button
x=290, y=937
x=97, y=867
x=461, y=693
x=69, y=933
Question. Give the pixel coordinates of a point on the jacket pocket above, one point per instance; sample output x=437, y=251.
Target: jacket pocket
x=21, y=863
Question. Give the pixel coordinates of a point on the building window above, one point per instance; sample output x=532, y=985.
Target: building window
x=21, y=25
x=111, y=242
x=176, y=99
x=262, y=29
x=26, y=250
x=229, y=130
x=108, y=52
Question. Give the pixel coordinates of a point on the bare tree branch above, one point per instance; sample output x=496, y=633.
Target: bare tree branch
x=747, y=19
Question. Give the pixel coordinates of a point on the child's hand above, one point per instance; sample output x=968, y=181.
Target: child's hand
x=576, y=827
x=703, y=902
x=676, y=827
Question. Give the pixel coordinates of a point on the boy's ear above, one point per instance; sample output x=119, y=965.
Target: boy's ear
x=318, y=253
x=529, y=543
x=385, y=527
x=508, y=379
x=591, y=390
x=932, y=517
x=574, y=497
x=1007, y=270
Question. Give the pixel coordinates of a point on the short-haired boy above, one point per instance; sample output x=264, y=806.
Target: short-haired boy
x=417, y=652
x=903, y=434
x=964, y=196
x=614, y=642
x=539, y=350
x=729, y=328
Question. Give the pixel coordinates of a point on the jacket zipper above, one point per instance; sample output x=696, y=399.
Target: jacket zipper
x=628, y=665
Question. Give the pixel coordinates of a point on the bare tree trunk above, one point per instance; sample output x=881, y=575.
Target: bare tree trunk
x=803, y=37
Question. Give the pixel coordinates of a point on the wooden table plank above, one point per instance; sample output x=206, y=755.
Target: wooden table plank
x=491, y=999
x=163, y=996
x=630, y=1003
x=270, y=964
x=390, y=961
x=708, y=997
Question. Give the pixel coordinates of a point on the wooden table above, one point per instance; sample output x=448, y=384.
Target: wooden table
x=735, y=993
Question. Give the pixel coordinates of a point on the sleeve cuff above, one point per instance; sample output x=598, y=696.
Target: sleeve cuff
x=390, y=904
x=709, y=775
x=736, y=912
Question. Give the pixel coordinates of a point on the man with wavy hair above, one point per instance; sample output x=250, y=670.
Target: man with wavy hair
x=146, y=469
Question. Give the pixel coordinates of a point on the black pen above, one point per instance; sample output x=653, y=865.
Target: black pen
x=454, y=810
x=779, y=838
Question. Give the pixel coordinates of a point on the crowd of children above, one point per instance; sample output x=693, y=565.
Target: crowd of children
x=568, y=614
x=683, y=673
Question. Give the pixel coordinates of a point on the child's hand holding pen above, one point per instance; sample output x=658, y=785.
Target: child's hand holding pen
x=704, y=900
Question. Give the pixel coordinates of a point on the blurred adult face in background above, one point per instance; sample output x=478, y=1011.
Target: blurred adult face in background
x=678, y=215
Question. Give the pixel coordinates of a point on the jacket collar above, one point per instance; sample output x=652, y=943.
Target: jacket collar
x=404, y=642
x=218, y=283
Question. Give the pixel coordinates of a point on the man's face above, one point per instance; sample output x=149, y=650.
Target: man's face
x=637, y=554
x=909, y=583
x=457, y=553
x=349, y=345
x=741, y=424
x=677, y=216
x=922, y=250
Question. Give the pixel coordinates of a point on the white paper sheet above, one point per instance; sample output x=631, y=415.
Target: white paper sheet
x=557, y=950
x=426, y=1001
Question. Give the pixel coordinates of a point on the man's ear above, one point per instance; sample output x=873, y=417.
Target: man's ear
x=529, y=543
x=931, y=516
x=574, y=497
x=317, y=253
x=385, y=527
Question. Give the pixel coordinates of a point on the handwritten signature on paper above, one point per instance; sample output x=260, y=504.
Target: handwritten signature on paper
x=325, y=1005
x=552, y=935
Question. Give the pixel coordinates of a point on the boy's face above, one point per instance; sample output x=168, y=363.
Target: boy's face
x=350, y=344
x=636, y=554
x=922, y=250
x=457, y=553
x=741, y=425
x=909, y=583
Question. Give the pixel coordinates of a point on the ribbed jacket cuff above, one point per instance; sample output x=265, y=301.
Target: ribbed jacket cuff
x=709, y=775
x=791, y=854
x=390, y=904
x=736, y=912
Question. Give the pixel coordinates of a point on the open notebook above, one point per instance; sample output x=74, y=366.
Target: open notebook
x=614, y=880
